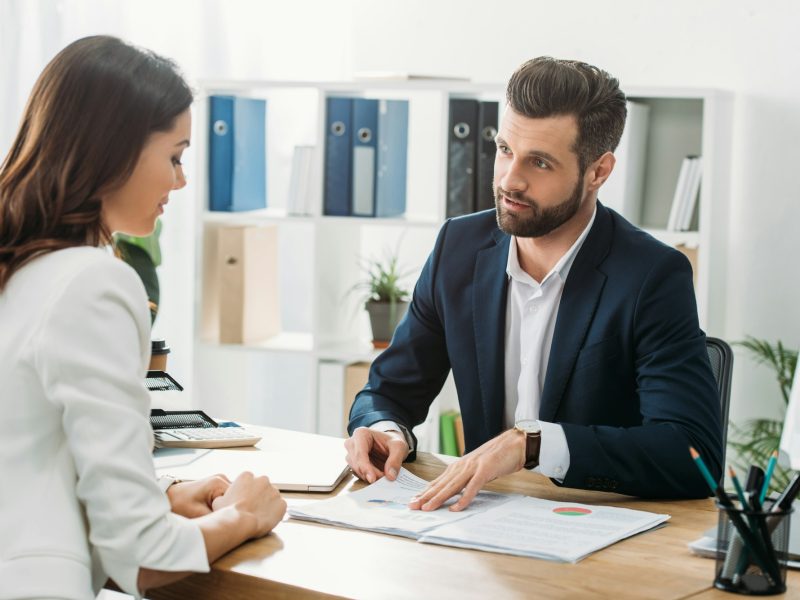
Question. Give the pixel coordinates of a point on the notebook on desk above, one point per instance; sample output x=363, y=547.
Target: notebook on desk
x=294, y=462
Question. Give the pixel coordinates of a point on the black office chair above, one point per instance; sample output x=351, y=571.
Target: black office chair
x=721, y=357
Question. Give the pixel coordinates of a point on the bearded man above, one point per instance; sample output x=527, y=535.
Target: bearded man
x=572, y=336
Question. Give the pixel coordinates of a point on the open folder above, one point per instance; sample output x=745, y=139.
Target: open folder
x=503, y=523
x=294, y=462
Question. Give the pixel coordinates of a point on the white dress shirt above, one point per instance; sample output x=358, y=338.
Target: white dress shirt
x=79, y=500
x=531, y=312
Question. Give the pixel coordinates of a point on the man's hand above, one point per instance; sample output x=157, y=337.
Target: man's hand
x=194, y=498
x=503, y=455
x=373, y=454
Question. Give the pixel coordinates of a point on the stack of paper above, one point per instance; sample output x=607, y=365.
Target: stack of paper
x=504, y=523
x=382, y=507
x=559, y=531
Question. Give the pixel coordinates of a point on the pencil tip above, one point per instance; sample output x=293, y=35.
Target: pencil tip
x=693, y=452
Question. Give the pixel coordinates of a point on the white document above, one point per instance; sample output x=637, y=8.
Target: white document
x=382, y=507
x=504, y=523
x=293, y=461
x=559, y=531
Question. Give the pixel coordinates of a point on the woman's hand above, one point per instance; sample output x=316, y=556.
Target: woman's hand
x=195, y=498
x=256, y=499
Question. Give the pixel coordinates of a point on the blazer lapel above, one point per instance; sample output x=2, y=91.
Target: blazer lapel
x=489, y=321
x=575, y=312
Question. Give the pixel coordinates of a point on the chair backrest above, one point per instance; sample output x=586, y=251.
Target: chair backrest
x=721, y=357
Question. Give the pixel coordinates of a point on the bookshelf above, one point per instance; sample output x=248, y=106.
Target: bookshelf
x=687, y=122
x=277, y=382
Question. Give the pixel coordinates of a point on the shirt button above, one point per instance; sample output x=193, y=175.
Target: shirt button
x=559, y=470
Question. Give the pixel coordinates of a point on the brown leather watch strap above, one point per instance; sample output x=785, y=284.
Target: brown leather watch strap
x=533, y=442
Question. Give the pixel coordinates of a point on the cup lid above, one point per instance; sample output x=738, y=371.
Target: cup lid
x=158, y=347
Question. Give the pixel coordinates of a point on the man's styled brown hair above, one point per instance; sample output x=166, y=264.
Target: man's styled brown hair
x=87, y=120
x=547, y=87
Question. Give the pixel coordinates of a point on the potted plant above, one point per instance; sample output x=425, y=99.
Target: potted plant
x=756, y=439
x=386, y=297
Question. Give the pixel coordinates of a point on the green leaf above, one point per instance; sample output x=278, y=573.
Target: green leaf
x=755, y=440
x=754, y=443
x=383, y=279
x=782, y=360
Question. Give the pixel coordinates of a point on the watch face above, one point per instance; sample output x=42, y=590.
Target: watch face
x=528, y=426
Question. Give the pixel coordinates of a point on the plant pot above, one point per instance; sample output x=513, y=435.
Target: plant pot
x=384, y=317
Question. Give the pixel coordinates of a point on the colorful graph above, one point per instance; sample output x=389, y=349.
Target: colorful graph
x=572, y=511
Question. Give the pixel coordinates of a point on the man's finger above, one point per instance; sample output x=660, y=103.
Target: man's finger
x=431, y=492
x=363, y=459
x=447, y=491
x=397, y=452
x=468, y=495
x=363, y=469
x=433, y=487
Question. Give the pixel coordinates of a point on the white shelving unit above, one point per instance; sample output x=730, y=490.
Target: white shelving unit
x=276, y=382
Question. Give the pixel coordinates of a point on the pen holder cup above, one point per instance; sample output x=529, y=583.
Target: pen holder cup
x=752, y=550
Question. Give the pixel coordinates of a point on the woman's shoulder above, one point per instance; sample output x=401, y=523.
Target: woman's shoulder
x=70, y=263
x=84, y=272
x=75, y=258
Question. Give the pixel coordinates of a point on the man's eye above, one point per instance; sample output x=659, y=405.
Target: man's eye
x=538, y=162
x=177, y=162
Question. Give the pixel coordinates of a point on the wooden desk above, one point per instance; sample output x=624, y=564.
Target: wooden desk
x=307, y=560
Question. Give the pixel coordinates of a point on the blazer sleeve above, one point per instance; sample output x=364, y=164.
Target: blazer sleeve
x=678, y=399
x=90, y=358
x=406, y=377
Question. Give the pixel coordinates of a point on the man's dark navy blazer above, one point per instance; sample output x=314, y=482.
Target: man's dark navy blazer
x=628, y=376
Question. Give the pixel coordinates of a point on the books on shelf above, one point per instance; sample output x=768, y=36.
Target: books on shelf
x=404, y=76
x=471, y=129
x=502, y=523
x=447, y=435
x=459, y=425
x=624, y=189
x=366, y=156
x=684, y=201
x=237, y=150
x=300, y=200
x=451, y=433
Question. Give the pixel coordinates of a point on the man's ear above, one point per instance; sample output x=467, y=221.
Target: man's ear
x=599, y=170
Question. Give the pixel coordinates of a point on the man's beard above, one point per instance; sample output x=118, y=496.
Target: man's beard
x=540, y=221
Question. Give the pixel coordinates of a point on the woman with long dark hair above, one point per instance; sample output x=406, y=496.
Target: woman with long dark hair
x=98, y=151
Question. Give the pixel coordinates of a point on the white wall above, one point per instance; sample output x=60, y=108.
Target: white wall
x=748, y=48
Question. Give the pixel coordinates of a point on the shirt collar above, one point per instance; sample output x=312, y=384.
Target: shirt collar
x=562, y=267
